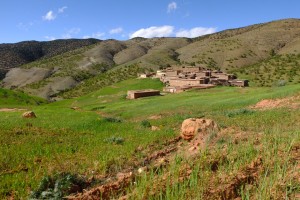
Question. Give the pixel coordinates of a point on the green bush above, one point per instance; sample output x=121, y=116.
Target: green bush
x=242, y=111
x=114, y=140
x=145, y=124
x=111, y=119
x=97, y=108
x=58, y=186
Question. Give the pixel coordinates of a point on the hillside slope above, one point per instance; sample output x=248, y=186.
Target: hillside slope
x=235, y=48
x=229, y=50
x=15, y=55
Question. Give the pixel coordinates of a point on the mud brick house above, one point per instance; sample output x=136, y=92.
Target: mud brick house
x=134, y=94
x=183, y=78
x=239, y=83
x=147, y=75
x=180, y=82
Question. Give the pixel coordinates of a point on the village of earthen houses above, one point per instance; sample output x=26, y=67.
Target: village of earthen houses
x=178, y=79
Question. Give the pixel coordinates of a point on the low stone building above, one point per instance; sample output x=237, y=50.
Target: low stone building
x=239, y=83
x=134, y=94
x=147, y=75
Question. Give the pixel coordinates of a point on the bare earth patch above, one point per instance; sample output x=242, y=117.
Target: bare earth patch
x=288, y=102
x=11, y=109
x=155, y=117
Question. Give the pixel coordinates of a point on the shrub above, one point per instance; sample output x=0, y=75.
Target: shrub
x=97, y=108
x=242, y=111
x=111, y=119
x=280, y=83
x=145, y=124
x=58, y=186
x=114, y=140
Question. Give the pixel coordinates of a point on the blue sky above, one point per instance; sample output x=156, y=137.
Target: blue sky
x=44, y=20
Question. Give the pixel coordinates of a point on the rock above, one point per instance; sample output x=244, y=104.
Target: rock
x=123, y=176
x=142, y=170
x=29, y=114
x=192, y=126
x=155, y=128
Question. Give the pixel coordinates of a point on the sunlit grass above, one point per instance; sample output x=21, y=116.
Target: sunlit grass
x=62, y=139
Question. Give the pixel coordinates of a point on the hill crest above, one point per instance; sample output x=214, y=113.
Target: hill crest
x=228, y=50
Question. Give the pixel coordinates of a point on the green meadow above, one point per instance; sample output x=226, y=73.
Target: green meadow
x=99, y=133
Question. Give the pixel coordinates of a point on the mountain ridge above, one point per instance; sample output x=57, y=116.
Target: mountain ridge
x=228, y=50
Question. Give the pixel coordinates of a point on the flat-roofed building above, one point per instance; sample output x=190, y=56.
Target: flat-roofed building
x=135, y=94
x=239, y=83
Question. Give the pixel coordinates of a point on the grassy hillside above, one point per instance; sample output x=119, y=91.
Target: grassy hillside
x=102, y=80
x=9, y=98
x=241, y=47
x=277, y=70
x=105, y=133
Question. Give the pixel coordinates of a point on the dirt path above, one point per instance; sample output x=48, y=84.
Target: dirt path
x=11, y=109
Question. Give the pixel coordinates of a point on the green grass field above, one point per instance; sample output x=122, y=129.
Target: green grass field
x=79, y=140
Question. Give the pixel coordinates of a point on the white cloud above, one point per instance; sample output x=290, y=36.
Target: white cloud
x=50, y=37
x=116, y=30
x=49, y=16
x=25, y=26
x=153, y=31
x=195, y=32
x=98, y=35
x=62, y=9
x=172, y=6
x=71, y=33
x=66, y=36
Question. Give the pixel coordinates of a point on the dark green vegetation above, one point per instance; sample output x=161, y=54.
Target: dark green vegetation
x=101, y=133
x=278, y=69
x=264, y=53
x=58, y=186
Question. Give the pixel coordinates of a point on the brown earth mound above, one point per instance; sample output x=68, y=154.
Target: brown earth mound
x=191, y=127
x=288, y=102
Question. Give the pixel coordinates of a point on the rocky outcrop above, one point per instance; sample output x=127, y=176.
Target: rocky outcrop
x=192, y=126
x=19, y=77
x=53, y=86
x=29, y=114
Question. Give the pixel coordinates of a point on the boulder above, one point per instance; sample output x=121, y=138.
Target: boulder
x=29, y=114
x=192, y=126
